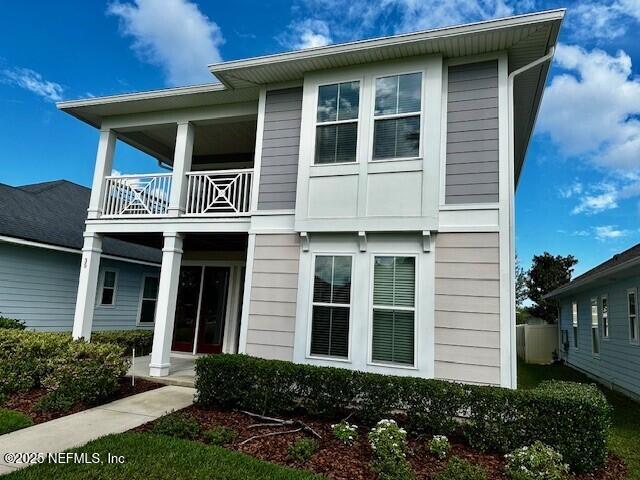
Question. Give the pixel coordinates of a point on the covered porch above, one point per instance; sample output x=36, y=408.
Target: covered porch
x=181, y=372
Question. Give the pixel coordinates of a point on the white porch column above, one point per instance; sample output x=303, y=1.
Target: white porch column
x=104, y=164
x=181, y=165
x=166, y=305
x=87, y=286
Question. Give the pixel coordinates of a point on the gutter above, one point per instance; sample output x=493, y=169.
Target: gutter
x=510, y=176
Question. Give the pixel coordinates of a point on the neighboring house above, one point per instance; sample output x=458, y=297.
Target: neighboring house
x=41, y=228
x=599, y=332
x=348, y=205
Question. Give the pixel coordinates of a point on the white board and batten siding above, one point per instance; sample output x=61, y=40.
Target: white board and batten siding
x=274, y=287
x=39, y=286
x=280, y=149
x=467, y=307
x=472, y=134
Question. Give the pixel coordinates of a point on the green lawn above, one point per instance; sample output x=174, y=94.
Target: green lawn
x=625, y=435
x=158, y=457
x=11, y=420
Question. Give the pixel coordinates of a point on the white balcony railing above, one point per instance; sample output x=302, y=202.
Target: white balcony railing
x=127, y=195
x=219, y=192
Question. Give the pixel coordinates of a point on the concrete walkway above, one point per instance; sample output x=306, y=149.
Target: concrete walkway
x=77, y=429
x=181, y=372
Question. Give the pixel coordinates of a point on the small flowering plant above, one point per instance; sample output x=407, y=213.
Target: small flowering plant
x=536, y=462
x=389, y=444
x=439, y=446
x=344, y=432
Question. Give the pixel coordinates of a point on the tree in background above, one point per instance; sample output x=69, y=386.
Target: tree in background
x=521, y=284
x=547, y=273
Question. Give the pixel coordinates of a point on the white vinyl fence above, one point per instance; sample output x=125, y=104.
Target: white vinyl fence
x=536, y=343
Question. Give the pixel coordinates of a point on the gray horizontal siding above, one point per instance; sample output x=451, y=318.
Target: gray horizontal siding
x=280, y=149
x=467, y=308
x=472, y=134
x=39, y=287
x=619, y=359
x=274, y=287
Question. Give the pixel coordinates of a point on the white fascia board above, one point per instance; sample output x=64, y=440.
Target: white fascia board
x=48, y=246
x=436, y=33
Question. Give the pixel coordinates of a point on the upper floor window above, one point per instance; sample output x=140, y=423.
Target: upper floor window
x=398, y=106
x=331, y=306
x=337, y=122
x=633, y=315
x=108, y=291
x=574, y=323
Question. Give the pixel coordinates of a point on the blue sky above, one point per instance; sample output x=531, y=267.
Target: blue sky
x=579, y=192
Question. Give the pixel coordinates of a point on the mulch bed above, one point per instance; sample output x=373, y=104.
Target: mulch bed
x=24, y=401
x=351, y=462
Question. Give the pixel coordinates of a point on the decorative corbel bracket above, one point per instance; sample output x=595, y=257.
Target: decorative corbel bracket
x=362, y=241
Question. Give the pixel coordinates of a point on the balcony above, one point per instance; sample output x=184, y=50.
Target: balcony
x=214, y=193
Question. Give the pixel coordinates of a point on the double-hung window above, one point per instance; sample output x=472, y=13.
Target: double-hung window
x=393, y=330
x=595, y=335
x=632, y=308
x=337, y=122
x=604, y=309
x=574, y=323
x=149, y=299
x=331, y=306
x=397, y=113
x=108, y=290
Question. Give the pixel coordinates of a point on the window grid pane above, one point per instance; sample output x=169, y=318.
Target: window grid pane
x=336, y=143
x=605, y=317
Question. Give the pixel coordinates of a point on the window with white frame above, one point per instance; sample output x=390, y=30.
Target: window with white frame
x=574, y=323
x=632, y=308
x=331, y=306
x=595, y=334
x=108, y=290
x=337, y=122
x=393, y=329
x=604, y=311
x=149, y=299
x=397, y=113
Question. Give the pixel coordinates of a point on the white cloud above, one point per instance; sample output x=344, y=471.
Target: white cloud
x=609, y=232
x=322, y=21
x=603, y=21
x=592, y=108
x=571, y=190
x=600, y=198
x=32, y=81
x=172, y=34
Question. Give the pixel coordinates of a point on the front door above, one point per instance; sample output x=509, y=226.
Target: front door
x=201, y=309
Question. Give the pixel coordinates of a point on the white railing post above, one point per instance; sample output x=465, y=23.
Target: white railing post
x=127, y=195
x=104, y=164
x=181, y=165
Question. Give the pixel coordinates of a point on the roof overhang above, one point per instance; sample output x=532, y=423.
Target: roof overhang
x=595, y=279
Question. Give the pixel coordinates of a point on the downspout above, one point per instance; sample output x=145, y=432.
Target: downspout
x=511, y=173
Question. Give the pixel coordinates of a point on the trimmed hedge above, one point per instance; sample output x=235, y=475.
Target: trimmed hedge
x=71, y=371
x=141, y=340
x=572, y=418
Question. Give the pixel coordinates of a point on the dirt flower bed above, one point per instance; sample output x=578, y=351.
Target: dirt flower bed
x=338, y=461
x=25, y=401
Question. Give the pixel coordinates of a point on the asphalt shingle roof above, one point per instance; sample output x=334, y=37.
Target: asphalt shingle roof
x=54, y=213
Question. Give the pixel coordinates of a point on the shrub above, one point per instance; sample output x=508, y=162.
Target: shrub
x=537, y=462
x=344, y=432
x=11, y=323
x=220, y=435
x=302, y=450
x=389, y=445
x=11, y=420
x=460, y=469
x=71, y=371
x=497, y=419
x=439, y=446
x=141, y=340
x=177, y=425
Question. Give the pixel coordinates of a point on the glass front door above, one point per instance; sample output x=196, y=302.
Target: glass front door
x=201, y=309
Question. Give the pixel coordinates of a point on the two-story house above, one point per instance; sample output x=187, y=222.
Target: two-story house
x=348, y=205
